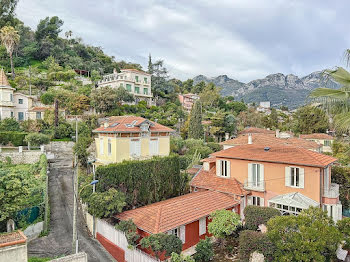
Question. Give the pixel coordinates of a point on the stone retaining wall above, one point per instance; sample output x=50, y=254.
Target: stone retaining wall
x=79, y=257
x=25, y=157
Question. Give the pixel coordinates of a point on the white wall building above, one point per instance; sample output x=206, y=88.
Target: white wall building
x=134, y=81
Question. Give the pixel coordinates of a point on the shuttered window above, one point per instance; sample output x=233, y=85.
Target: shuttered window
x=154, y=147
x=101, y=146
x=202, y=226
x=294, y=177
x=255, y=201
x=109, y=147
x=223, y=168
x=135, y=147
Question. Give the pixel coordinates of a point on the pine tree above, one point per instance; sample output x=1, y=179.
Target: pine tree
x=195, y=129
x=150, y=65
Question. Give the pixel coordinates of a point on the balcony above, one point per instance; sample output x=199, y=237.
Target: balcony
x=332, y=191
x=254, y=186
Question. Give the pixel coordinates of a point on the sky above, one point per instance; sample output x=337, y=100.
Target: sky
x=244, y=39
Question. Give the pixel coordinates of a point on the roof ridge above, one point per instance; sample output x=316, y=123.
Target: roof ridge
x=159, y=215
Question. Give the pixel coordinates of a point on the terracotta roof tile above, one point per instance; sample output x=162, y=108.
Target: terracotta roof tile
x=172, y=213
x=130, y=124
x=39, y=109
x=277, y=154
x=13, y=238
x=256, y=130
x=3, y=78
x=268, y=140
x=209, y=180
x=317, y=136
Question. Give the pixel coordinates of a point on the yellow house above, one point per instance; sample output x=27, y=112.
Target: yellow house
x=129, y=138
x=324, y=140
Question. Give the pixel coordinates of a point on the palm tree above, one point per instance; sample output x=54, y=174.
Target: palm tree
x=337, y=101
x=9, y=38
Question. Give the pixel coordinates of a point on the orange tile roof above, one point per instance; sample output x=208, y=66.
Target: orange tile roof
x=3, y=78
x=256, y=130
x=277, y=154
x=13, y=238
x=317, y=136
x=172, y=213
x=209, y=180
x=268, y=140
x=130, y=124
x=39, y=109
x=209, y=159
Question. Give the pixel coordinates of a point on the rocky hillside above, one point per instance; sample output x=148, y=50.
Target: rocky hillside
x=279, y=89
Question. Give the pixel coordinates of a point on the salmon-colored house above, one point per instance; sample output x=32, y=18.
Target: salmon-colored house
x=287, y=178
x=184, y=216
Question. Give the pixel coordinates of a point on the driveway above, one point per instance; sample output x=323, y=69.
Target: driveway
x=59, y=241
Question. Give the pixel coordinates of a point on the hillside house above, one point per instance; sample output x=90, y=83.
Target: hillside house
x=187, y=101
x=130, y=137
x=324, y=140
x=136, y=82
x=287, y=178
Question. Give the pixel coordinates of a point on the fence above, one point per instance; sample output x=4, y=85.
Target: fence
x=118, y=238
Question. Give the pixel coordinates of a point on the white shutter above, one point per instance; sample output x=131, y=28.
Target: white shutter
x=250, y=174
x=262, y=202
x=138, y=147
x=218, y=167
x=228, y=168
x=101, y=146
x=339, y=212
x=132, y=147
x=301, y=177
x=202, y=226
x=183, y=234
x=287, y=176
x=250, y=200
x=153, y=147
x=261, y=175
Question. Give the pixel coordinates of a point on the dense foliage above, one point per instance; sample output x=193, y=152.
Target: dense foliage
x=162, y=244
x=107, y=203
x=341, y=176
x=12, y=137
x=195, y=129
x=344, y=228
x=223, y=223
x=180, y=258
x=37, y=139
x=204, y=251
x=310, y=236
x=309, y=119
x=255, y=216
x=251, y=241
x=130, y=230
x=144, y=181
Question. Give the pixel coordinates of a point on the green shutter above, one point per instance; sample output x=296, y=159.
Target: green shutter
x=137, y=89
x=128, y=87
x=145, y=91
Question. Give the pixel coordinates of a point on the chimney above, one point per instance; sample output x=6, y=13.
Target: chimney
x=250, y=139
x=277, y=133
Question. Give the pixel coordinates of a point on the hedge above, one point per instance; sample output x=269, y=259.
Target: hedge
x=144, y=181
x=255, y=216
x=16, y=138
x=251, y=241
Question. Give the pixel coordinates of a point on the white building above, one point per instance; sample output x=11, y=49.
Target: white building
x=134, y=81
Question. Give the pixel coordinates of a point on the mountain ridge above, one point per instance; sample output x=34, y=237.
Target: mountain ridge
x=280, y=89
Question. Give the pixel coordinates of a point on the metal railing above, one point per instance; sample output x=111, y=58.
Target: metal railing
x=255, y=186
x=332, y=191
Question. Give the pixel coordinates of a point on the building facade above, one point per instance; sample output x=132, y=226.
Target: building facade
x=287, y=178
x=324, y=140
x=136, y=82
x=187, y=101
x=129, y=138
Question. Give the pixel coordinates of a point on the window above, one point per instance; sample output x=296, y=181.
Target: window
x=137, y=89
x=327, y=143
x=175, y=232
x=294, y=177
x=38, y=115
x=128, y=87
x=136, y=78
x=12, y=114
x=20, y=101
x=101, y=146
x=109, y=147
x=154, y=146
x=202, y=226
x=20, y=116
x=135, y=147
x=145, y=91
x=223, y=168
x=256, y=175
x=255, y=201
x=145, y=80
x=11, y=97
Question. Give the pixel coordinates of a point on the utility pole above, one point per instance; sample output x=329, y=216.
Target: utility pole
x=75, y=195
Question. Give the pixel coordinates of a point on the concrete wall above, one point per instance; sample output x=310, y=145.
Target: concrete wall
x=80, y=257
x=25, y=157
x=34, y=230
x=16, y=253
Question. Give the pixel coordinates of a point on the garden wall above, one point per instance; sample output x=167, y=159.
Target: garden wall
x=79, y=257
x=25, y=157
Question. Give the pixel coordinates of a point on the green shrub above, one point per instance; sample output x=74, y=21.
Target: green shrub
x=204, y=251
x=37, y=139
x=180, y=258
x=130, y=230
x=14, y=137
x=9, y=124
x=162, y=243
x=255, y=216
x=344, y=227
x=251, y=241
x=223, y=223
x=144, y=181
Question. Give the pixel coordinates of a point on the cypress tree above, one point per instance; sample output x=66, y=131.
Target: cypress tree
x=195, y=129
x=150, y=65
